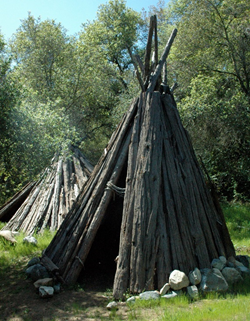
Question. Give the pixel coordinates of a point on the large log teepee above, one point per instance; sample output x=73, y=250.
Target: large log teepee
x=168, y=219
x=45, y=203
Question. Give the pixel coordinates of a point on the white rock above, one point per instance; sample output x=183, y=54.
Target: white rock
x=131, y=299
x=164, y=289
x=8, y=235
x=30, y=239
x=43, y=282
x=195, y=276
x=46, y=291
x=112, y=305
x=170, y=295
x=178, y=280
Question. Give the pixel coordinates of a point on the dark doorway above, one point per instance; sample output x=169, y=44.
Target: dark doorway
x=100, y=265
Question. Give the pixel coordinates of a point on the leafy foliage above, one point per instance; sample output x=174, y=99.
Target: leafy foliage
x=211, y=61
x=56, y=89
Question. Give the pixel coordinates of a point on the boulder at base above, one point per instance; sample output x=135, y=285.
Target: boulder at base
x=178, y=280
x=212, y=280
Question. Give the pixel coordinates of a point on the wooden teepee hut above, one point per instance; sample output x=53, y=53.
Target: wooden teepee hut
x=45, y=203
x=166, y=218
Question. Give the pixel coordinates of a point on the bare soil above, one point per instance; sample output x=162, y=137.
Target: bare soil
x=19, y=300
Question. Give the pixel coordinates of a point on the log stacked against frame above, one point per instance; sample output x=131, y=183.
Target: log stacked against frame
x=52, y=196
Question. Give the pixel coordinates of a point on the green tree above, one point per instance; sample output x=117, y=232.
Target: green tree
x=115, y=30
x=211, y=62
x=8, y=98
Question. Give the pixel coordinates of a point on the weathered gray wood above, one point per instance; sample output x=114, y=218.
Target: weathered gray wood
x=149, y=46
x=138, y=75
x=48, y=264
x=159, y=67
x=169, y=220
x=53, y=195
x=10, y=207
x=68, y=239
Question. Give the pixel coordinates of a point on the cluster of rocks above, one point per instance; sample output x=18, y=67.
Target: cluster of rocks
x=10, y=236
x=222, y=274
x=45, y=284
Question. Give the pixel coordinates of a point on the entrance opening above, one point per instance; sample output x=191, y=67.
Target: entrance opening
x=100, y=265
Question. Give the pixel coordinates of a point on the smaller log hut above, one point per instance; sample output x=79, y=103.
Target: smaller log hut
x=167, y=219
x=45, y=203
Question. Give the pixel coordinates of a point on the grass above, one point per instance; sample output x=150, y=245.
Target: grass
x=238, y=223
x=13, y=254
x=233, y=305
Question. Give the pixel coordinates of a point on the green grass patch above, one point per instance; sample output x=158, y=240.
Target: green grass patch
x=238, y=222
x=214, y=307
x=13, y=253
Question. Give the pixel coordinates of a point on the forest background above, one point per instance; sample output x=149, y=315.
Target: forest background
x=57, y=89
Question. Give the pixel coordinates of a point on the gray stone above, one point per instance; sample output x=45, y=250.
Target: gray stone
x=178, y=280
x=46, y=291
x=37, y=272
x=230, y=264
x=149, y=295
x=223, y=259
x=212, y=280
x=43, y=282
x=245, y=272
x=217, y=264
x=164, y=289
x=244, y=259
x=231, y=275
x=28, y=271
x=33, y=261
x=233, y=261
x=30, y=239
x=112, y=306
x=195, y=276
x=57, y=288
x=193, y=291
x=170, y=295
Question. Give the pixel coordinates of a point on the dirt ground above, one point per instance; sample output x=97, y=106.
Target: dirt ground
x=19, y=300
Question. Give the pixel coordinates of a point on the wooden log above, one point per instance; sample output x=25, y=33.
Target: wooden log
x=121, y=280
x=14, y=224
x=138, y=245
x=67, y=238
x=140, y=64
x=92, y=228
x=149, y=46
x=159, y=67
x=56, y=196
x=48, y=264
x=10, y=207
x=138, y=75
